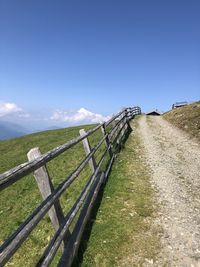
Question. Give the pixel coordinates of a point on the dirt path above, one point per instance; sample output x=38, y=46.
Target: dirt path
x=174, y=162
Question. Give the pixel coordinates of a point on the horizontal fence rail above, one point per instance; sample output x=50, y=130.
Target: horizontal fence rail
x=113, y=133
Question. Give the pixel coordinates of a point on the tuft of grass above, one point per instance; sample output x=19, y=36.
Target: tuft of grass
x=186, y=118
x=20, y=199
x=122, y=232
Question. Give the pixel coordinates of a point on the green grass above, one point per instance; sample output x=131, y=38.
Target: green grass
x=122, y=232
x=20, y=199
x=186, y=118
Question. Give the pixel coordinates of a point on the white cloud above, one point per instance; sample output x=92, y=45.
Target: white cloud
x=7, y=108
x=81, y=115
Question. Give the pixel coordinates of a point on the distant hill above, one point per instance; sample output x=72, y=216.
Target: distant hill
x=10, y=130
x=54, y=127
x=186, y=118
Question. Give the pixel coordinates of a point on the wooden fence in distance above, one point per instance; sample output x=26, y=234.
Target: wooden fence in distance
x=113, y=133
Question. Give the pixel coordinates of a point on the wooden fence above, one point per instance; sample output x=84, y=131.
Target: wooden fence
x=113, y=131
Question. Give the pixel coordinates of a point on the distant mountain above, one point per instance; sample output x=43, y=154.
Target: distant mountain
x=10, y=130
x=53, y=128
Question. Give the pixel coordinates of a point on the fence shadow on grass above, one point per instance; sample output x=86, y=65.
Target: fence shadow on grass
x=88, y=229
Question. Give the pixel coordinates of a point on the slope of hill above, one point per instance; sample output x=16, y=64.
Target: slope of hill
x=186, y=118
x=20, y=199
x=10, y=130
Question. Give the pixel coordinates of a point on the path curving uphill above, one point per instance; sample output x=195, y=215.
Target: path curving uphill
x=174, y=161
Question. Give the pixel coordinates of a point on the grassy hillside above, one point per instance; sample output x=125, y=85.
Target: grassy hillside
x=186, y=118
x=17, y=201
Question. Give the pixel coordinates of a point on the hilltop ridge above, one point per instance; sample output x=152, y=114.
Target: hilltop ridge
x=186, y=118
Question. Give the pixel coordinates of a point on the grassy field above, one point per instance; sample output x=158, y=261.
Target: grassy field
x=122, y=232
x=20, y=199
x=119, y=234
x=186, y=118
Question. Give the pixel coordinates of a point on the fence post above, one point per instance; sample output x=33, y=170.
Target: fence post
x=87, y=149
x=113, y=123
x=46, y=188
x=123, y=124
x=113, y=126
x=121, y=128
x=107, y=141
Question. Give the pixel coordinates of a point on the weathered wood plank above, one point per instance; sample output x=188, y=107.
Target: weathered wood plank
x=122, y=124
x=107, y=140
x=74, y=242
x=9, y=247
x=118, y=138
x=113, y=118
x=14, y=174
x=54, y=245
x=46, y=188
x=113, y=132
x=51, y=249
x=87, y=149
x=109, y=168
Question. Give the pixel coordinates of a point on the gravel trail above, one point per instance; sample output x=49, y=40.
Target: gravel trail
x=174, y=161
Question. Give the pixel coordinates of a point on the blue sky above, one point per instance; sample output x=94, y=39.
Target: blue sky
x=59, y=59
